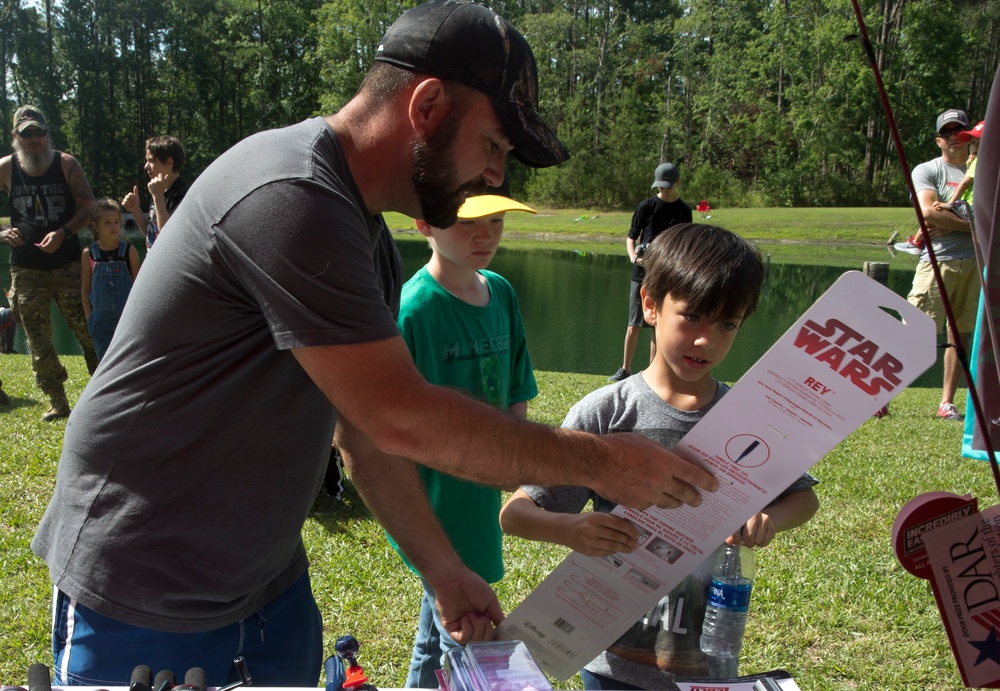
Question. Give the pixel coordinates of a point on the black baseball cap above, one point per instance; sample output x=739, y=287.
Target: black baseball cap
x=468, y=43
x=952, y=116
x=666, y=175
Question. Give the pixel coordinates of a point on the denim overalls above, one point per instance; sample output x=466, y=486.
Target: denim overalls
x=110, y=284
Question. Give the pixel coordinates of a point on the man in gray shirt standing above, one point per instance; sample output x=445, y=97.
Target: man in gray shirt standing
x=934, y=182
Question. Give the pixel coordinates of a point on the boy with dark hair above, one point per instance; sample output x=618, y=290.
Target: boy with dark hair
x=164, y=159
x=701, y=283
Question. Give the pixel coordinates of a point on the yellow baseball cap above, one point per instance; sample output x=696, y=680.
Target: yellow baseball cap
x=489, y=204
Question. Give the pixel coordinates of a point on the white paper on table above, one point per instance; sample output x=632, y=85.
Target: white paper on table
x=837, y=365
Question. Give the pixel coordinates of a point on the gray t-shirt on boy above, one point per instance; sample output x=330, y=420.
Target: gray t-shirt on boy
x=196, y=451
x=668, y=636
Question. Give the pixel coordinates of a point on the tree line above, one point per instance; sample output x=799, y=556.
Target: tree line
x=760, y=102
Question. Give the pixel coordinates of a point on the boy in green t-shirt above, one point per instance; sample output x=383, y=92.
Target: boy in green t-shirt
x=463, y=327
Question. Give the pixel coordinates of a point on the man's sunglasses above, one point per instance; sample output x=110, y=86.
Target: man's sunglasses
x=949, y=132
x=33, y=133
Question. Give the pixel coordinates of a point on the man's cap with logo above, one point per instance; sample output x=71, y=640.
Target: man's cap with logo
x=494, y=201
x=29, y=116
x=468, y=43
x=977, y=132
x=666, y=175
x=952, y=116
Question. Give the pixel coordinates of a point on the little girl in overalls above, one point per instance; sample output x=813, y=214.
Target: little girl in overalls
x=108, y=267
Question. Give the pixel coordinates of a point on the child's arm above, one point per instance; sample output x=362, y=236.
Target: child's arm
x=133, y=261
x=791, y=511
x=157, y=190
x=519, y=409
x=594, y=534
x=85, y=275
x=131, y=204
x=961, y=189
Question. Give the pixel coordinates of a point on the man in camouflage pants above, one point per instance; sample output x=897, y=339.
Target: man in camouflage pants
x=50, y=201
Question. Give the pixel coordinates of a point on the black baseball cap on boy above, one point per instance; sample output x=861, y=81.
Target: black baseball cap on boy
x=466, y=42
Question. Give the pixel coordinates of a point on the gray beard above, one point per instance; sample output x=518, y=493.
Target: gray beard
x=33, y=164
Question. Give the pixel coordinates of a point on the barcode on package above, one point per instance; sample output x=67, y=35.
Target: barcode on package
x=564, y=625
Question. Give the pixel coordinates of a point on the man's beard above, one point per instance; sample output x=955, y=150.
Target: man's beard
x=434, y=175
x=33, y=164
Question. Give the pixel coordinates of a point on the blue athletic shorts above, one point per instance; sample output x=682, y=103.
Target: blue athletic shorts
x=282, y=645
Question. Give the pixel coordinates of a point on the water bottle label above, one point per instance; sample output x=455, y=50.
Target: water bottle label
x=734, y=597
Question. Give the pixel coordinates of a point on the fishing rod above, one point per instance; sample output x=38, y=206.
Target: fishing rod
x=981, y=419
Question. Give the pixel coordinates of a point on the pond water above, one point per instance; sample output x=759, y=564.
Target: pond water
x=575, y=306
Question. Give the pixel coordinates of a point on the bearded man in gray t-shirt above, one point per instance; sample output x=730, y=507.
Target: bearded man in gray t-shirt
x=192, y=459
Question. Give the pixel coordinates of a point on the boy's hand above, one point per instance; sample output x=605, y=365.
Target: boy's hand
x=131, y=202
x=468, y=607
x=157, y=185
x=758, y=532
x=601, y=534
x=644, y=474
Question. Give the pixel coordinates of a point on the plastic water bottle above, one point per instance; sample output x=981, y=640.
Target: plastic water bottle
x=726, y=613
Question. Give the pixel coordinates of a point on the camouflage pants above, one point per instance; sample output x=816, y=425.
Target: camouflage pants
x=34, y=290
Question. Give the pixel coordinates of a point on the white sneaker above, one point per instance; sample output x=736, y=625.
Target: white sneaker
x=907, y=247
x=948, y=411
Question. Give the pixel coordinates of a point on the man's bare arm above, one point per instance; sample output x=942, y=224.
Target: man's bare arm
x=377, y=386
x=5, y=168
x=392, y=489
x=83, y=196
x=939, y=221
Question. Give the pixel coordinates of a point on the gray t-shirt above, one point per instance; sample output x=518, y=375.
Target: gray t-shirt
x=943, y=178
x=194, y=454
x=669, y=635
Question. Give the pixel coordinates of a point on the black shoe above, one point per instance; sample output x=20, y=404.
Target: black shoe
x=622, y=373
x=4, y=398
x=54, y=414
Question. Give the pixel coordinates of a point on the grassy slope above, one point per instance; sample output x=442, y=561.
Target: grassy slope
x=821, y=225
x=851, y=236
x=831, y=603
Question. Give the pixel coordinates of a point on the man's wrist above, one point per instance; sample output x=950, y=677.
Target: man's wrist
x=66, y=231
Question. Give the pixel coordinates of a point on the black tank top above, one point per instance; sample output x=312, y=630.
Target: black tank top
x=39, y=205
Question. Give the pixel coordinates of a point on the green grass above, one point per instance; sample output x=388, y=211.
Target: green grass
x=570, y=227
x=831, y=603
x=852, y=236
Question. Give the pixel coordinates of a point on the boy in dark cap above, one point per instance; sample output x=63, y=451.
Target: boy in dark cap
x=651, y=217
